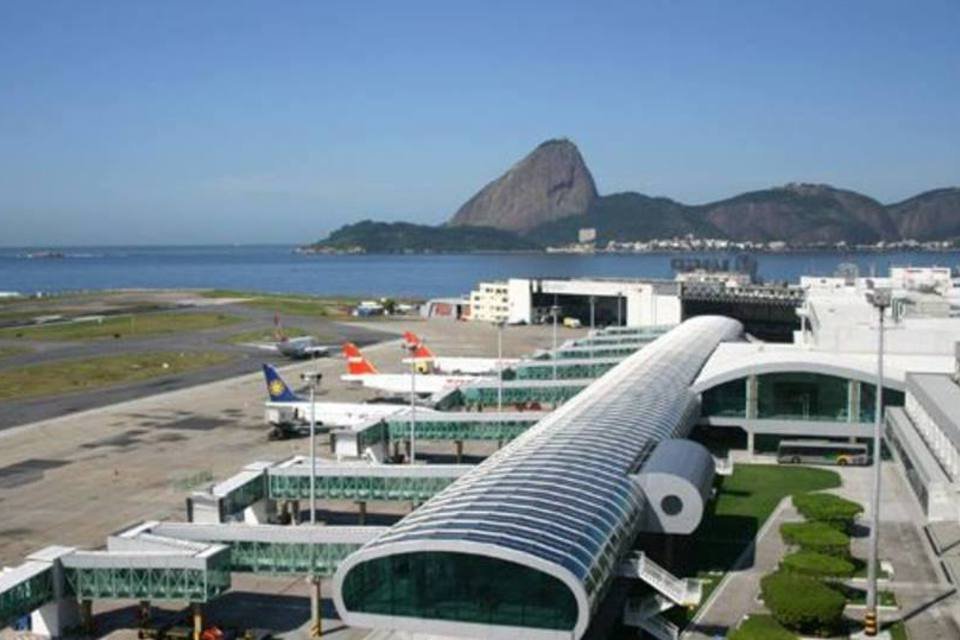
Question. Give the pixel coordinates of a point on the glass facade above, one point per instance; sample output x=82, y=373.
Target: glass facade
x=462, y=587
x=802, y=396
x=868, y=400
x=726, y=400
x=798, y=396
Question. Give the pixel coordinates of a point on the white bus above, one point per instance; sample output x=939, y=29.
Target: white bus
x=822, y=452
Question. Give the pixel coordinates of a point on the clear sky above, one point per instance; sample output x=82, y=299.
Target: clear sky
x=209, y=122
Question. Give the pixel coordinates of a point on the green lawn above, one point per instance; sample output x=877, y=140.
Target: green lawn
x=761, y=627
x=84, y=374
x=732, y=520
x=744, y=502
x=290, y=304
x=132, y=326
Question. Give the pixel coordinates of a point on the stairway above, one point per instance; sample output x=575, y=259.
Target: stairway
x=681, y=591
x=645, y=614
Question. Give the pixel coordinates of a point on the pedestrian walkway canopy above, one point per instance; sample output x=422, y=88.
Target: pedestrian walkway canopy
x=527, y=543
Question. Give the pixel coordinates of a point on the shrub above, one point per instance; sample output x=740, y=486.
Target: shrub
x=761, y=628
x=802, y=603
x=816, y=536
x=811, y=563
x=825, y=507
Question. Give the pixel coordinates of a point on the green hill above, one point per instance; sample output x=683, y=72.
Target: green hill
x=403, y=237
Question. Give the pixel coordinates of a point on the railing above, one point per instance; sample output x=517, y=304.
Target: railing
x=679, y=590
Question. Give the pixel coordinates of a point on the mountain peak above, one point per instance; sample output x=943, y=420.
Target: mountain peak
x=550, y=183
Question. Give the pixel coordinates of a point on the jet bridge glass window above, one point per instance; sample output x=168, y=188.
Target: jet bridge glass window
x=462, y=587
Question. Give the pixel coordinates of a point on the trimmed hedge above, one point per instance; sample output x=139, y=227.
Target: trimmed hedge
x=811, y=563
x=825, y=507
x=816, y=536
x=761, y=628
x=802, y=603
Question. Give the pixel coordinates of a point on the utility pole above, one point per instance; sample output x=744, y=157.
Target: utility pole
x=313, y=379
x=880, y=299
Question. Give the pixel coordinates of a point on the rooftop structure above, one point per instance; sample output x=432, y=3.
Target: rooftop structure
x=528, y=542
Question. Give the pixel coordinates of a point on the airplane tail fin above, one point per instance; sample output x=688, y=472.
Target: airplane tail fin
x=277, y=389
x=416, y=345
x=357, y=364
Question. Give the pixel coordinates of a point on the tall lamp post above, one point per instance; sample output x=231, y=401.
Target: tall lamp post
x=619, y=308
x=316, y=614
x=313, y=379
x=500, y=325
x=880, y=299
x=555, y=311
x=412, y=348
x=593, y=323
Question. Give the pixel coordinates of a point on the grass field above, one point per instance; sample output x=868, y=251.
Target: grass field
x=133, y=326
x=6, y=352
x=290, y=304
x=732, y=520
x=761, y=627
x=263, y=335
x=84, y=374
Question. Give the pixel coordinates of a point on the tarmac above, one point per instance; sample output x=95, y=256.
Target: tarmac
x=74, y=479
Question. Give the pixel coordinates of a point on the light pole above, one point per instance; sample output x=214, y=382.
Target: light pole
x=313, y=379
x=593, y=302
x=619, y=305
x=500, y=367
x=555, y=311
x=413, y=402
x=880, y=299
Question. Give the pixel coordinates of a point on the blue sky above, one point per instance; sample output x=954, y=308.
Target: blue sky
x=197, y=122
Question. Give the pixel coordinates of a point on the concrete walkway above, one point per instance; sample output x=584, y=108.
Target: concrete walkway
x=926, y=599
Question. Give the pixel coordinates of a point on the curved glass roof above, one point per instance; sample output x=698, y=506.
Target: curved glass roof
x=561, y=491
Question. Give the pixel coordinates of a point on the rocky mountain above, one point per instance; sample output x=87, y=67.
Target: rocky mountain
x=552, y=182
x=549, y=195
x=933, y=215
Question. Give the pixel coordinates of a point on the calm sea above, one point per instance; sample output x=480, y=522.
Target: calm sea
x=278, y=269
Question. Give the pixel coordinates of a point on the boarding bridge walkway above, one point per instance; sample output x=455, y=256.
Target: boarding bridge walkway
x=290, y=480
x=268, y=549
x=25, y=588
x=519, y=392
x=591, y=352
x=563, y=369
x=462, y=426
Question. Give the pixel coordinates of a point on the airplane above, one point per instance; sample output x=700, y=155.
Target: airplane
x=361, y=371
x=298, y=347
x=286, y=409
x=431, y=362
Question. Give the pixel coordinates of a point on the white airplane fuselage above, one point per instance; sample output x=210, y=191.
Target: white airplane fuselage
x=337, y=414
x=466, y=365
x=400, y=383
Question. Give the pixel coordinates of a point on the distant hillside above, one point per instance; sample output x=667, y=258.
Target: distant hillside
x=628, y=216
x=551, y=182
x=549, y=195
x=934, y=215
x=399, y=237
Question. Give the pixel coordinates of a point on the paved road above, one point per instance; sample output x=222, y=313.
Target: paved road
x=245, y=360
